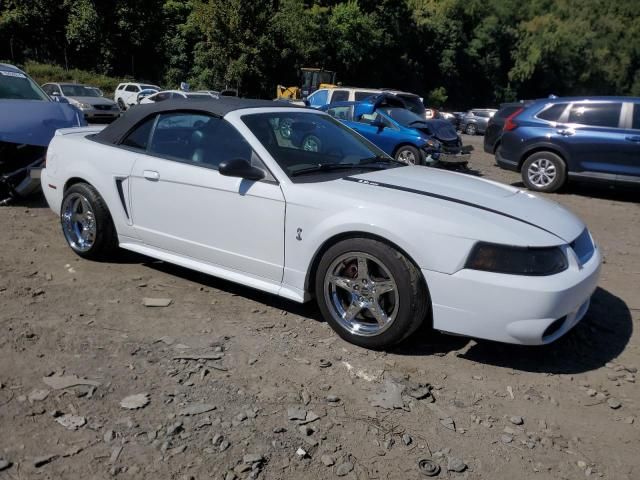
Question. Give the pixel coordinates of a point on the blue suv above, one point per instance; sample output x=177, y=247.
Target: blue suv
x=552, y=140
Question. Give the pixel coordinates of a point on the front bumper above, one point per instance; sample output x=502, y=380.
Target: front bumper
x=512, y=308
x=96, y=114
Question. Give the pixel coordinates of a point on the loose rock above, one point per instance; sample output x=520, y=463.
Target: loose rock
x=61, y=382
x=390, y=397
x=37, y=395
x=133, y=402
x=406, y=439
x=455, y=464
x=197, y=409
x=4, y=464
x=448, y=423
x=156, y=302
x=344, y=469
x=296, y=413
x=614, y=404
x=327, y=460
x=516, y=420
x=71, y=422
x=506, y=438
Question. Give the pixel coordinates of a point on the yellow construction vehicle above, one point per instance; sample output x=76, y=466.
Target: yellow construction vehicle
x=311, y=79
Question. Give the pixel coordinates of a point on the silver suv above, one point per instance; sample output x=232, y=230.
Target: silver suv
x=475, y=121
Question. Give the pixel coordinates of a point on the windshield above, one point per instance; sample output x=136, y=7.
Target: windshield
x=17, y=86
x=413, y=103
x=78, y=91
x=304, y=142
x=402, y=115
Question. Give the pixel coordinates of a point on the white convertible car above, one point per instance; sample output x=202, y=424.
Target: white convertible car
x=216, y=186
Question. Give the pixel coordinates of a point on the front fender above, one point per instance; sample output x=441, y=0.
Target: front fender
x=307, y=235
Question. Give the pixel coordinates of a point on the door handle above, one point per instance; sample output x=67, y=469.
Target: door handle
x=633, y=138
x=151, y=175
x=566, y=131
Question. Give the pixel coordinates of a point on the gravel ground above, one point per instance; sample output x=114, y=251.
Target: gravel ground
x=227, y=382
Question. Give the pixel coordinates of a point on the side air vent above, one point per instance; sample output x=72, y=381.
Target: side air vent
x=121, y=195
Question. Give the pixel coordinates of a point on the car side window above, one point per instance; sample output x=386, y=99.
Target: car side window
x=319, y=98
x=131, y=88
x=359, y=96
x=553, y=113
x=138, y=138
x=596, y=114
x=198, y=139
x=339, y=96
x=341, y=113
x=160, y=97
x=635, y=122
x=369, y=118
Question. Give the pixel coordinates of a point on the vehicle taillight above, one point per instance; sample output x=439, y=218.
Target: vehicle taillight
x=509, y=123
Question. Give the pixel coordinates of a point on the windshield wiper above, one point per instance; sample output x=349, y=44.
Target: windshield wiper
x=326, y=167
x=380, y=159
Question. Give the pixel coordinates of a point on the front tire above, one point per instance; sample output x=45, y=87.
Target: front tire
x=370, y=293
x=471, y=129
x=86, y=223
x=544, y=172
x=409, y=155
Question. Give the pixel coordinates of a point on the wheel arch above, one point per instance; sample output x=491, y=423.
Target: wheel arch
x=543, y=148
x=310, y=278
x=74, y=181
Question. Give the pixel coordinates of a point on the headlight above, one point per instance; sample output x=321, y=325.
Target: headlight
x=431, y=143
x=491, y=257
x=84, y=106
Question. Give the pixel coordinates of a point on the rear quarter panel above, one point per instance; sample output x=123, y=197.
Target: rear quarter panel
x=73, y=157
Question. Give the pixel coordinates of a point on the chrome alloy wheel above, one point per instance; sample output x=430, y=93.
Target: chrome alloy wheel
x=78, y=222
x=361, y=294
x=542, y=172
x=408, y=157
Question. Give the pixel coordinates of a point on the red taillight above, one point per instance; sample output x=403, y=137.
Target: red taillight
x=509, y=123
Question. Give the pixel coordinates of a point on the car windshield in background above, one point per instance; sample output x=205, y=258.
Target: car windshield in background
x=17, y=86
x=149, y=87
x=78, y=91
x=413, y=103
x=403, y=116
x=304, y=143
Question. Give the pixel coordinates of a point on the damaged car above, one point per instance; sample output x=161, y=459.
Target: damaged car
x=387, y=122
x=28, y=121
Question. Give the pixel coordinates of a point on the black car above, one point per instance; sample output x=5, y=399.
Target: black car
x=493, y=133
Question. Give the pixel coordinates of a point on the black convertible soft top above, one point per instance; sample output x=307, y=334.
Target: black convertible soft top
x=213, y=106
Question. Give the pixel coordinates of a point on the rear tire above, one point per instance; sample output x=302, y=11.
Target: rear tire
x=86, y=223
x=544, y=172
x=370, y=293
x=122, y=105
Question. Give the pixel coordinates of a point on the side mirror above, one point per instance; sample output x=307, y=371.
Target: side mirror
x=59, y=99
x=379, y=124
x=240, y=168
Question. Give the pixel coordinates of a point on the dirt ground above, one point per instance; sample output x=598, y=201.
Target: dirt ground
x=233, y=383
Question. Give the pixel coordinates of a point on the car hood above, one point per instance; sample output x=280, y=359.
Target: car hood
x=475, y=193
x=93, y=100
x=34, y=122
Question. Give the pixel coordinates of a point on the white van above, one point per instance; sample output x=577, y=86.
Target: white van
x=325, y=96
x=126, y=94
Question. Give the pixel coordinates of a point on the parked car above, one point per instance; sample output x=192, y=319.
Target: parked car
x=326, y=96
x=475, y=121
x=93, y=106
x=555, y=140
x=126, y=94
x=142, y=94
x=495, y=127
x=175, y=94
x=28, y=120
x=381, y=246
x=399, y=132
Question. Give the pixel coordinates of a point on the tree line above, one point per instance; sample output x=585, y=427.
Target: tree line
x=459, y=53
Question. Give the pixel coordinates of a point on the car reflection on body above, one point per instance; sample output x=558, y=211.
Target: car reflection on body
x=383, y=247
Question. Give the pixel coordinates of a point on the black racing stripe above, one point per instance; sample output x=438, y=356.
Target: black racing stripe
x=447, y=199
